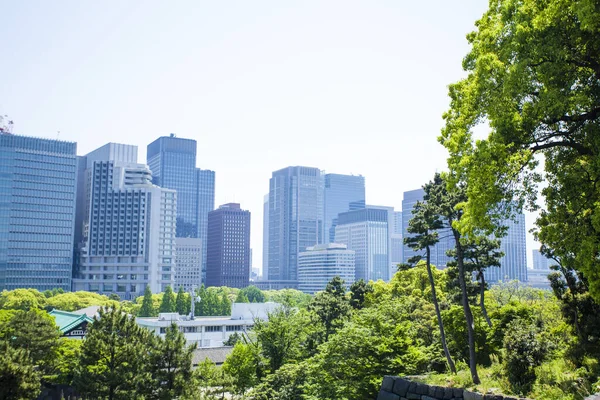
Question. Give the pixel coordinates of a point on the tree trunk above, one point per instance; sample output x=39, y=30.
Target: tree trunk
x=466, y=308
x=482, y=299
x=438, y=314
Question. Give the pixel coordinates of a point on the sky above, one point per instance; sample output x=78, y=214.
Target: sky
x=346, y=86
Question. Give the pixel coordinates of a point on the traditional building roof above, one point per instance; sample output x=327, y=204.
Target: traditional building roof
x=68, y=321
x=90, y=311
x=214, y=354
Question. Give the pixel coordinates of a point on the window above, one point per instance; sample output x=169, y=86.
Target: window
x=212, y=329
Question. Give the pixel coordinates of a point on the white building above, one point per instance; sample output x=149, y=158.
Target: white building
x=319, y=264
x=210, y=331
x=188, y=262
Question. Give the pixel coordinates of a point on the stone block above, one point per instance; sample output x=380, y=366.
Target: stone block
x=401, y=387
x=413, y=396
x=412, y=387
x=510, y=398
x=472, y=395
x=457, y=392
x=425, y=397
x=431, y=391
x=439, y=392
x=388, y=383
x=492, y=397
x=422, y=388
x=448, y=393
x=383, y=395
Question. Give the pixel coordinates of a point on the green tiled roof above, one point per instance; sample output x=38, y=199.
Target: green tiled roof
x=67, y=321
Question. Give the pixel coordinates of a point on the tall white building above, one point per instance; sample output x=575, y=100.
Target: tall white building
x=366, y=232
x=188, y=261
x=319, y=264
x=127, y=237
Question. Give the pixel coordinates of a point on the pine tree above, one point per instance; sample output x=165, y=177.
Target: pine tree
x=201, y=307
x=19, y=378
x=167, y=305
x=242, y=298
x=147, y=309
x=113, y=363
x=225, y=305
x=181, y=303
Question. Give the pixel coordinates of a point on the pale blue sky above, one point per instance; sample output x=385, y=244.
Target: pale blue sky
x=347, y=86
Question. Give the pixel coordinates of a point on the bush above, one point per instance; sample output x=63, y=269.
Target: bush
x=522, y=353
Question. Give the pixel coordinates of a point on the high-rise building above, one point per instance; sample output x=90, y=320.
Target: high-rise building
x=513, y=265
x=38, y=179
x=172, y=161
x=188, y=262
x=341, y=193
x=228, y=247
x=265, y=254
x=540, y=261
x=295, y=219
x=366, y=232
x=128, y=226
x=318, y=265
x=439, y=256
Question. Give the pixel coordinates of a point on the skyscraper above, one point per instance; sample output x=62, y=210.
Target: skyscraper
x=540, y=261
x=318, y=265
x=188, y=263
x=341, y=193
x=172, y=161
x=128, y=232
x=366, y=232
x=228, y=247
x=439, y=258
x=514, y=246
x=295, y=219
x=265, y=254
x=37, y=208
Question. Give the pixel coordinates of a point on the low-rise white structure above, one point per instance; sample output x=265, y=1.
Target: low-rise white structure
x=210, y=331
x=319, y=264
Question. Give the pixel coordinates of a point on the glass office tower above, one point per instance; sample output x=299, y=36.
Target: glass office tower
x=295, y=219
x=341, y=193
x=38, y=179
x=514, y=246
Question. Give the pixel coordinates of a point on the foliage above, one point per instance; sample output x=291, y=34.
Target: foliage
x=148, y=309
x=331, y=306
x=242, y=298
x=167, y=304
x=19, y=379
x=66, y=361
x=214, y=301
x=288, y=297
x=22, y=299
x=182, y=302
x=72, y=301
x=53, y=292
x=358, y=292
x=233, y=339
x=253, y=294
x=241, y=366
x=523, y=352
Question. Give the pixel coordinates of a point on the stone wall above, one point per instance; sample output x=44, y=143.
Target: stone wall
x=395, y=388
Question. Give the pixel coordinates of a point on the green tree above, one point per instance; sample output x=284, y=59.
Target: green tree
x=147, y=309
x=22, y=299
x=113, y=362
x=532, y=76
x=66, y=361
x=241, y=366
x=424, y=227
x=182, y=304
x=331, y=306
x=241, y=298
x=254, y=294
x=168, y=301
x=201, y=307
x=358, y=291
x=72, y=301
x=19, y=379
x=170, y=366
x=225, y=305
x=523, y=351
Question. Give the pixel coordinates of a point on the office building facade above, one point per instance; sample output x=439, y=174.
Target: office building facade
x=540, y=261
x=128, y=232
x=295, y=219
x=188, y=263
x=513, y=265
x=38, y=179
x=318, y=265
x=366, y=232
x=341, y=193
x=172, y=161
x=228, y=247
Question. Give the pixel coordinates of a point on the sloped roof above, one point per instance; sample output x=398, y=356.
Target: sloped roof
x=90, y=311
x=214, y=354
x=67, y=321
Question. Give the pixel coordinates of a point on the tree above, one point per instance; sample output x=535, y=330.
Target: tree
x=533, y=73
x=72, y=301
x=113, y=357
x=358, y=291
x=424, y=227
x=67, y=359
x=241, y=298
x=182, y=304
x=241, y=366
x=168, y=301
x=36, y=332
x=170, y=366
x=254, y=294
x=21, y=299
x=225, y=305
x=19, y=379
x=523, y=352
x=331, y=306
x=147, y=309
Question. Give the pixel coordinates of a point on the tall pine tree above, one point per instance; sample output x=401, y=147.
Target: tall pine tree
x=147, y=309
x=182, y=305
x=167, y=305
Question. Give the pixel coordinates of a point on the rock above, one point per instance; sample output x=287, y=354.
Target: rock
x=492, y=397
x=439, y=392
x=427, y=398
x=457, y=392
x=383, y=395
x=401, y=387
x=413, y=396
x=448, y=393
x=422, y=388
x=388, y=383
x=472, y=395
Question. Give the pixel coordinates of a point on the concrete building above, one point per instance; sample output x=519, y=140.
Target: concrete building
x=295, y=219
x=265, y=254
x=540, y=261
x=366, y=232
x=538, y=278
x=513, y=265
x=210, y=331
x=228, y=247
x=38, y=179
x=128, y=232
x=318, y=265
x=172, y=161
x=341, y=193
x=188, y=263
